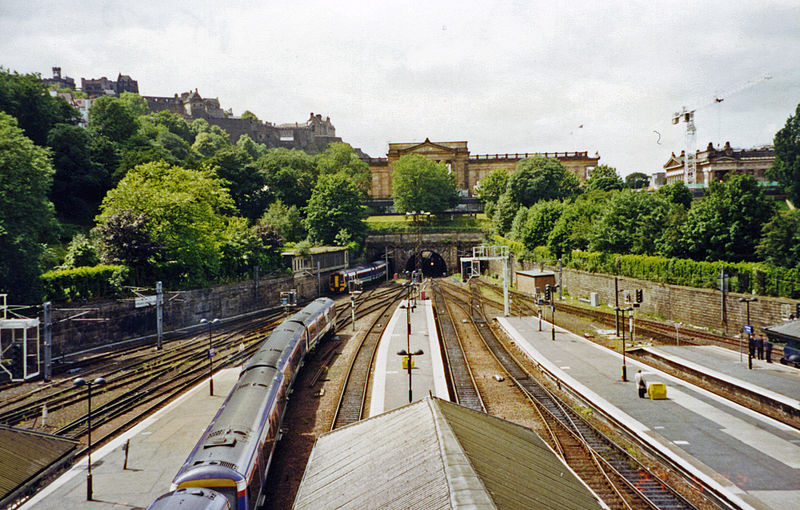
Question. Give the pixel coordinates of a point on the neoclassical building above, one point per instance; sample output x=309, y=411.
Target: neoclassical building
x=468, y=169
x=714, y=164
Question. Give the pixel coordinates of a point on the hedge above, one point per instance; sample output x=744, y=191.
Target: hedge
x=84, y=282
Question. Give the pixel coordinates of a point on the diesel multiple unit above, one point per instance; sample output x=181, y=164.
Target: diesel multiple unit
x=356, y=277
x=234, y=453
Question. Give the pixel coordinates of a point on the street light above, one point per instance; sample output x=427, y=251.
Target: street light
x=408, y=356
x=624, y=365
x=83, y=382
x=747, y=302
x=210, y=355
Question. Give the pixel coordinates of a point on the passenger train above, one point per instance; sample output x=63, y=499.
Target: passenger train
x=355, y=277
x=235, y=452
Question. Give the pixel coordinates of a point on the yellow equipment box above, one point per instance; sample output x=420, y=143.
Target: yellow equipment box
x=405, y=362
x=657, y=391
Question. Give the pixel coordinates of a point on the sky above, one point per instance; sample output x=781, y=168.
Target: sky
x=598, y=76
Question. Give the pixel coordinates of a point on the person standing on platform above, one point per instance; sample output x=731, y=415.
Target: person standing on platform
x=768, y=350
x=760, y=347
x=640, y=383
x=751, y=345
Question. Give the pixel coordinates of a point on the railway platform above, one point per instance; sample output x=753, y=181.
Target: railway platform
x=390, y=387
x=754, y=461
x=158, y=447
x=773, y=380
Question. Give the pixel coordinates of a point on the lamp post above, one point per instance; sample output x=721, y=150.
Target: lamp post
x=83, y=382
x=624, y=357
x=747, y=302
x=210, y=355
x=408, y=358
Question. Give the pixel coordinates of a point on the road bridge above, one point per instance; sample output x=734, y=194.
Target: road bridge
x=438, y=253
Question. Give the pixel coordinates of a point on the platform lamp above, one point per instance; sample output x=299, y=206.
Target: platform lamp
x=624, y=357
x=210, y=323
x=747, y=302
x=80, y=381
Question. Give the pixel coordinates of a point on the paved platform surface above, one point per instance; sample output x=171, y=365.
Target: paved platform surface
x=390, y=379
x=732, y=366
x=756, y=460
x=158, y=448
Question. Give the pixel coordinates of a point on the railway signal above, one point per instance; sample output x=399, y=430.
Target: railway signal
x=547, y=293
x=639, y=295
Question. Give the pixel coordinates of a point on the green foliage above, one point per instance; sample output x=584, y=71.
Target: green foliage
x=244, y=247
x=25, y=97
x=786, y=167
x=208, y=143
x=419, y=184
x=112, y=118
x=173, y=123
x=81, y=252
x=290, y=175
x=491, y=187
x=504, y=213
x=94, y=282
x=725, y=223
x=186, y=212
x=637, y=180
x=780, y=242
x=677, y=193
x=245, y=182
x=255, y=149
x=247, y=114
x=540, y=178
x=457, y=223
x=631, y=223
x=335, y=205
x=286, y=220
x=574, y=227
x=539, y=223
x=26, y=215
x=341, y=158
x=604, y=178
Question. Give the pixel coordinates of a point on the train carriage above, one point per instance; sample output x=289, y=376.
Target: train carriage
x=346, y=279
x=235, y=452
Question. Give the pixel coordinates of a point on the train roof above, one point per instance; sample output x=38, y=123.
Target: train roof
x=310, y=311
x=195, y=498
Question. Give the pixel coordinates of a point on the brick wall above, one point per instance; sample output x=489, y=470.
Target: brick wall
x=689, y=305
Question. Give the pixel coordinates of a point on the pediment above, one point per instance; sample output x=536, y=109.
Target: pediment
x=674, y=161
x=427, y=147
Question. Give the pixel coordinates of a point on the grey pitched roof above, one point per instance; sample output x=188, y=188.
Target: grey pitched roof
x=438, y=455
x=785, y=330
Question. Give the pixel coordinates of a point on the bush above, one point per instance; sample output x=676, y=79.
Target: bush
x=102, y=281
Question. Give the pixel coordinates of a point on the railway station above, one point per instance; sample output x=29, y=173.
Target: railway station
x=751, y=460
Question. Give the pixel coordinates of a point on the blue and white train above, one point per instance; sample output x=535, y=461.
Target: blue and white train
x=356, y=277
x=234, y=453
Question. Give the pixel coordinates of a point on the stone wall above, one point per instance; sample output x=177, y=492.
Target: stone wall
x=689, y=305
x=108, y=322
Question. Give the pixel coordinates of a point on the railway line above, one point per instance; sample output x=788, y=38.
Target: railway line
x=620, y=479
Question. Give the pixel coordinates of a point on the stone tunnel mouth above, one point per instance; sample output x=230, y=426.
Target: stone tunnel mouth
x=431, y=263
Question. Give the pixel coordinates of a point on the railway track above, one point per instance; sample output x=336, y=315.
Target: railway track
x=459, y=375
x=608, y=468
x=352, y=400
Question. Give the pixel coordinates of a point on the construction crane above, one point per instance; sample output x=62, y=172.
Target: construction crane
x=687, y=115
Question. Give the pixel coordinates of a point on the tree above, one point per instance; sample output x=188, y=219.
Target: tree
x=604, y=178
x=574, y=227
x=780, y=241
x=539, y=223
x=677, y=193
x=186, y=211
x=26, y=215
x=419, y=184
x=286, y=221
x=290, y=175
x=111, y=117
x=631, y=223
x=490, y=187
x=124, y=237
x=247, y=114
x=245, y=182
x=81, y=252
x=26, y=98
x=786, y=167
x=722, y=224
x=540, y=178
x=335, y=205
x=255, y=149
x=79, y=184
x=637, y=180
x=173, y=122
x=504, y=213
x=208, y=143
x=340, y=157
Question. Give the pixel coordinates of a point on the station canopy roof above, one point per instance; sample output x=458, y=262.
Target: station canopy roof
x=435, y=454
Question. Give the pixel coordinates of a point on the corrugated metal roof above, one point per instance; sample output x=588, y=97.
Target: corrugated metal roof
x=436, y=454
x=25, y=453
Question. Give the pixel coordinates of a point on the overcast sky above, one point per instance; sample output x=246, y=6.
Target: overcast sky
x=504, y=76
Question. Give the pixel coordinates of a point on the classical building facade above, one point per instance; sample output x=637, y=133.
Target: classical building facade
x=468, y=169
x=714, y=164
x=312, y=136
